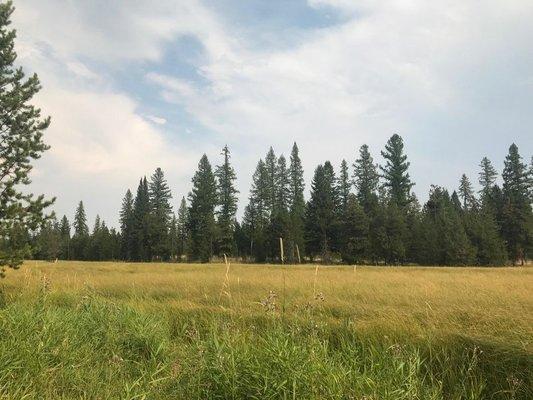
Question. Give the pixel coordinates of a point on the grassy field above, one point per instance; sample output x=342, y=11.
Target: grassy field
x=73, y=330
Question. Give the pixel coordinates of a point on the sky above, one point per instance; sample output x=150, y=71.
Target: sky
x=136, y=85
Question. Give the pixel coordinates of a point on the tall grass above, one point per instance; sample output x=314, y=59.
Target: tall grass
x=132, y=331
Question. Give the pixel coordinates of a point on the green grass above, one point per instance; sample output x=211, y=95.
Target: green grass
x=76, y=330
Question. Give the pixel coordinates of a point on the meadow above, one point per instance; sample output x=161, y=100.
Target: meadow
x=90, y=330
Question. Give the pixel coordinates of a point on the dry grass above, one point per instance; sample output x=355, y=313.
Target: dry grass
x=487, y=307
x=493, y=303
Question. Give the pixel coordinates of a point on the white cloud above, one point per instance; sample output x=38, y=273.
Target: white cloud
x=114, y=32
x=156, y=120
x=390, y=67
x=409, y=66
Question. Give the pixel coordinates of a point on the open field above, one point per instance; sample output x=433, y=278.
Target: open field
x=182, y=331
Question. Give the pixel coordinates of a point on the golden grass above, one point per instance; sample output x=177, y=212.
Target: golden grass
x=493, y=304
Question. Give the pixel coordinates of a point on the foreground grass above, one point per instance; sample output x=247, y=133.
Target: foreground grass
x=159, y=331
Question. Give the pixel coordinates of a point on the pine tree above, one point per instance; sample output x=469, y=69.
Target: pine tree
x=344, y=185
x=456, y=202
x=182, y=226
x=203, y=199
x=517, y=219
x=173, y=238
x=227, y=204
x=530, y=180
x=127, y=226
x=80, y=239
x=97, y=224
x=296, y=205
x=270, y=180
x=466, y=193
x=332, y=183
x=444, y=240
x=48, y=241
x=483, y=232
x=280, y=220
x=487, y=176
x=257, y=215
x=161, y=214
x=320, y=214
x=141, y=223
x=354, y=232
x=80, y=221
x=21, y=131
x=94, y=248
x=395, y=175
x=396, y=233
x=64, y=229
x=365, y=178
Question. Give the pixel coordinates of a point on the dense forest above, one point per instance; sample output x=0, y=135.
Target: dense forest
x=363, y=213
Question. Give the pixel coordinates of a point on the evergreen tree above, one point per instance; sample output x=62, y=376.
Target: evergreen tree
x=296, y=205
x=487, y=176
x=483, y=232
x=80, y=221
x=227, y=204
x=530, y=180
x=456, y=202
x=64, y=227
x=182, y=226
x=21, y=131
x=80, y=239
x=354, y=232
x=141, y=223
x=282, y=186
x=256, y=214
x=64, y=230
x=517, y=215
x=332, y=183
x=203, y=199
x=161, y=214
x=280, y=220
x=173, y=238
x=466, y=193
x=344, y=185
x=395, y=175
x=395, y=231
x=270, y=181
x=249, y=233
x=94, y=250
x=365, y=178
x=127, y=227
x=48, y=241
x=443, y=238
x=97, y=224
x=320, y=214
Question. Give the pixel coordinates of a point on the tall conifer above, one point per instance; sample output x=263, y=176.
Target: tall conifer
x=296, y=204
x=487, y=176
x=21, y=142
x=227, y=204
x=160, y=215
x=141, y=223
x=395, y=172
x=127, y=226
x=183, y=230
x=517, y=222
x=365, y=178
x=202, y=199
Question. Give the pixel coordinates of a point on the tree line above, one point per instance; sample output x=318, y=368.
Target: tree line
x=363, y=213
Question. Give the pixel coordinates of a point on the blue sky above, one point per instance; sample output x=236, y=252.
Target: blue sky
x=135, y=85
